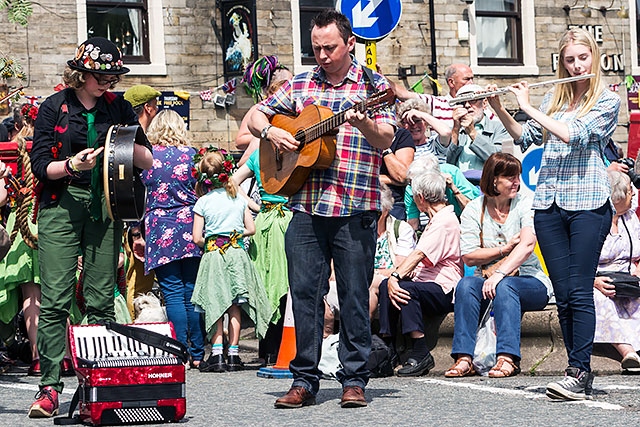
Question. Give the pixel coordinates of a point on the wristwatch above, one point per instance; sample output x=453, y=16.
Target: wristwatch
x=396, y=275
x=387, y=151
x=265, y=130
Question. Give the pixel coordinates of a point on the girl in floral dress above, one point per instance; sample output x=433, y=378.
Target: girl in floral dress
x=170, y=250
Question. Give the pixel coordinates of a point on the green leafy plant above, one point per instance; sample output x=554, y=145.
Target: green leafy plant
x=10, y=68
x=18, y=11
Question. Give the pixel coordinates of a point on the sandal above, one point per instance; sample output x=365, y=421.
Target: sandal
x=456, y=371
x=504, y=368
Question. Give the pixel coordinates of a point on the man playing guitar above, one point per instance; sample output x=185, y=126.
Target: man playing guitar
x=335, y=210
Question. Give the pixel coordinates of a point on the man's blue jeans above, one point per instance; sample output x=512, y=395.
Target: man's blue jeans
x=177, y=280
x=514, y=295
x=311, y=243
x=570, y=242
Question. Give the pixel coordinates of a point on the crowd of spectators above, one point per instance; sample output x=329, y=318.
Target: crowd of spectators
x=455, y=233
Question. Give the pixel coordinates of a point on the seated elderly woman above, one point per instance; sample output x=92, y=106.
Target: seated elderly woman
x=618, y=318
x=425, y=280
x=497, y=227
x=396, y=240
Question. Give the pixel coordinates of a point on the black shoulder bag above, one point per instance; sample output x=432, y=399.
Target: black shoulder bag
x=627, y=285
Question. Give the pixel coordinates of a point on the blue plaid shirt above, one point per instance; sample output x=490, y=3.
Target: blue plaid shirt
x=574, y=175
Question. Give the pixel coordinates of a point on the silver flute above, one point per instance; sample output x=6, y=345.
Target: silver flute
x=481, y=95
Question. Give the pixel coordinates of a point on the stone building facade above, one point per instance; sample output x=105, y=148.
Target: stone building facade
x=185, y=42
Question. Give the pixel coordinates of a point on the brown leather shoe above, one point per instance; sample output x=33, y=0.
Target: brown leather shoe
x=296, y=397
x=353, y=397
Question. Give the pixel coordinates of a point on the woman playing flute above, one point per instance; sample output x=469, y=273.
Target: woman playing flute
x=571, y=203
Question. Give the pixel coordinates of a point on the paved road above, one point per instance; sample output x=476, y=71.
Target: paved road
x=243, y=399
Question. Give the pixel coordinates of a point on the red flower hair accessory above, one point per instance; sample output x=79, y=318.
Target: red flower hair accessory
x=216, y=180
x=29, y=111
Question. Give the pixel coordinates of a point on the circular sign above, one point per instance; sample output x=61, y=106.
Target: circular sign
x=531, y=167
x=371, y=19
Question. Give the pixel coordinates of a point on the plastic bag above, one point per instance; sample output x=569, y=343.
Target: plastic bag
x=329, y=363
x=484, y=354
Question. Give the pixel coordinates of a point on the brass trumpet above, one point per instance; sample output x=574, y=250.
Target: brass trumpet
x=481, y=95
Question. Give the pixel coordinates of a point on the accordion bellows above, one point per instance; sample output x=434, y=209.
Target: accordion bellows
x=124, y=381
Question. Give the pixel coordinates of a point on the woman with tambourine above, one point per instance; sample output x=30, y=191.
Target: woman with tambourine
x=66, y=157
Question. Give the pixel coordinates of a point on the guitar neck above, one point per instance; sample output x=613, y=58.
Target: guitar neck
x=327, y=125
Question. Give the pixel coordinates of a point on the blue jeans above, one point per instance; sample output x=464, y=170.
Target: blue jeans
x=514, y=295
x=311, y=243
x=570, y=242
x=177, y=280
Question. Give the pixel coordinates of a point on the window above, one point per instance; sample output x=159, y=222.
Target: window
x=634, y=14
x=135, y=26
x=502, y=39
x=124, y=23
x=302, y=11
x=499, y=30
x=309, y=9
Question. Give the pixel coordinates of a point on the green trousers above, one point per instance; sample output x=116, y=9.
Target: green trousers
x=66, y=231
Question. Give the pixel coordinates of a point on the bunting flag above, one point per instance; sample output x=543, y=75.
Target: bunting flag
x=183, y=94
x=437, y=83
x=206, y=95
x=32, y=100
x=614, y=87
x=230, y=86
x=418, y=87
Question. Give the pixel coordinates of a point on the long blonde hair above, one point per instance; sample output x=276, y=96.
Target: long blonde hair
x=168, y=128
x=563, y=93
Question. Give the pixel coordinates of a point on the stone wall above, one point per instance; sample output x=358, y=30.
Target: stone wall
x=194, y=54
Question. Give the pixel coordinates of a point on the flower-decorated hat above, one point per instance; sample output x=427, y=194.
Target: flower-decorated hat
x=98, y=55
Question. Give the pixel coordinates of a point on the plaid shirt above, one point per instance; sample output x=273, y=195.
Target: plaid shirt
x=350, y=185
x=574, y=175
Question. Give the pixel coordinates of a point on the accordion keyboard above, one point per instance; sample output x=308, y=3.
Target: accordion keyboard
x=98, y=347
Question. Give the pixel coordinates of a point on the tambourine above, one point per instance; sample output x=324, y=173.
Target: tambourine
x=125, y=194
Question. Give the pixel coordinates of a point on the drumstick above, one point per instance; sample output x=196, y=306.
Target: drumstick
x=84, y=157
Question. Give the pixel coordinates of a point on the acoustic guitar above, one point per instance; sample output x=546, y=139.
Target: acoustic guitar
x=285, y=172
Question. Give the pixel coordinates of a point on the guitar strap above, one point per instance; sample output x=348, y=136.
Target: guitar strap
x=368, y=77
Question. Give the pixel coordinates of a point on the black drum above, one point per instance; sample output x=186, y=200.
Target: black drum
x=125, y=194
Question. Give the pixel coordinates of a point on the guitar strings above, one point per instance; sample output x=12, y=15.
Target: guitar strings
x=317, y=130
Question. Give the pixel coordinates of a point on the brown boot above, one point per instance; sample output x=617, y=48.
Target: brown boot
x=296, y=397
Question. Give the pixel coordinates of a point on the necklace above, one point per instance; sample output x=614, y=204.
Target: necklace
x=499, y=215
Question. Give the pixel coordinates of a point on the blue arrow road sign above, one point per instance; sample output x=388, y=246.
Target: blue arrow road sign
x=371, y=19
x=531, y=167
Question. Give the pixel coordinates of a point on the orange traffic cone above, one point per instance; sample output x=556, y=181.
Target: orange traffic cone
x=287, y=350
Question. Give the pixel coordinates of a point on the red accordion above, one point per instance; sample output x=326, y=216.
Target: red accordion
x=123, y=379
